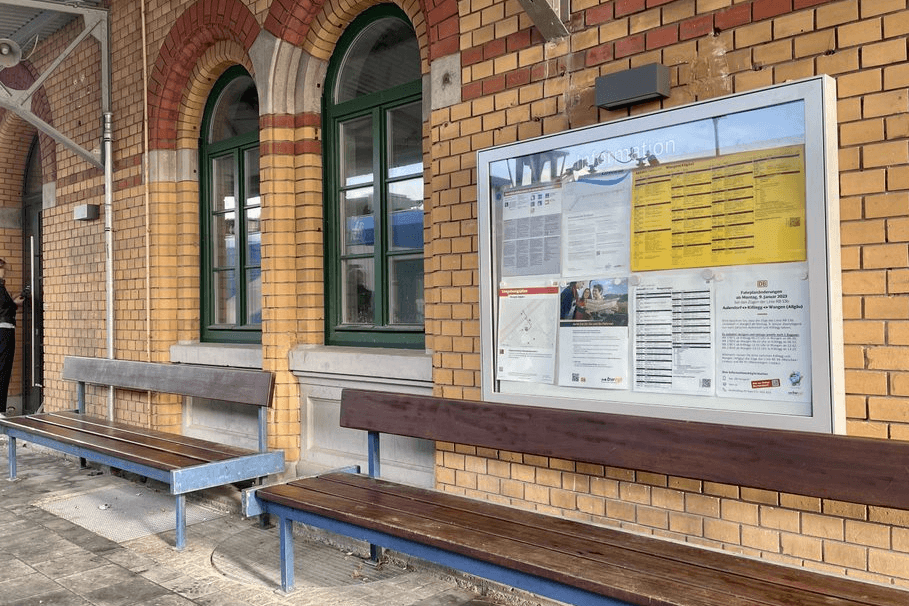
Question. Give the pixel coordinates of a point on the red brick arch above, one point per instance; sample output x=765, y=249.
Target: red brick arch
x=292, y=20
x=201, y=26
x=20, y=77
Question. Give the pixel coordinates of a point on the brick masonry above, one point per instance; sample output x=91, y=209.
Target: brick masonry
x=514, y=85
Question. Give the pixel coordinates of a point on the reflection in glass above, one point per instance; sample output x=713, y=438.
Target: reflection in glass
x=405, y=209
x=224, y=239
x=760, y=128
x=253, y=236
x=382, y=56
x=405, y=140
x=405, y=296
x=253, y=213
x=356, y=151
x=223, y=196
x=359, y=222
x=357, y=293
x=225, y=305
x=254, y=295
x=236, y=111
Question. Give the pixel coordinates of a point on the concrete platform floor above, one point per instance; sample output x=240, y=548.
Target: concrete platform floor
x=228, y=561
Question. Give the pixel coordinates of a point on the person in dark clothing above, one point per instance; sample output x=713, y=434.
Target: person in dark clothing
x=8, y=308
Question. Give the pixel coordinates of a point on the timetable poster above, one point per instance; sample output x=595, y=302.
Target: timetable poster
x=673, y=335
x=736, y=209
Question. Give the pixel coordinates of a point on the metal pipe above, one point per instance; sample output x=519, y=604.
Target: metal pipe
x=107, y=138
x=145, y=187
x=32, y=285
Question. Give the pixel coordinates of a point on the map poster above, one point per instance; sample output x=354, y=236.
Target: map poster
x=673, y=335
x=526, y=349
x=593, y=342
x=763, y=334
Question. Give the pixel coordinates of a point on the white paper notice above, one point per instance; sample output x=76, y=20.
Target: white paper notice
x=532, y=231
x=593, y=344
x=673, y=335
x=596, y=217
x=763, y=334
x=528, y=319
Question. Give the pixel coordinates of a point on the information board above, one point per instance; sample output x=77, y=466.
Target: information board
x=682, y=264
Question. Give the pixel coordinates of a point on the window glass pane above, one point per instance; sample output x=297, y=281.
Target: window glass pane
x=253, y=210
x=224, y=240
x=382, y=56
x=251, y=170
x=253, y=237
x=359, y=221
x=254, y=295
x=236, y=111
x=405, y=209
x=356, y=151
x=405, y=292
x=405, y=140
x=224, y=285
x=253, y=268
x=222, y=184
x=357, y=288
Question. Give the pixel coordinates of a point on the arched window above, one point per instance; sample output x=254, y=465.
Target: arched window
x=230, y=211
x=373, y=121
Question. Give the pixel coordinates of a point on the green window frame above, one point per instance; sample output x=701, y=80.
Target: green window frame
x=230, y=207
x=374, y=187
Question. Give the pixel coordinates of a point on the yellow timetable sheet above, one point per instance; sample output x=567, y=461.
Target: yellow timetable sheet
x=735, y=209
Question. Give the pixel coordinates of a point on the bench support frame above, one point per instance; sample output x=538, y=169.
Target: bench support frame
x=506, y=576
x=181, y=481
x=253, y=505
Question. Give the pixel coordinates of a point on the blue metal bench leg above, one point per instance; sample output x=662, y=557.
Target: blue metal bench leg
x=12, y=458
x=181, y=521
x=374, y=447
x=286, y=534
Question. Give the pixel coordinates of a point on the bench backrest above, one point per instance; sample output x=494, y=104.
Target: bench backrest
x=253, y=387
x=846, y=468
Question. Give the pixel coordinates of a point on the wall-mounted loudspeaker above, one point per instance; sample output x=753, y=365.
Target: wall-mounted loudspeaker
x=10, y=53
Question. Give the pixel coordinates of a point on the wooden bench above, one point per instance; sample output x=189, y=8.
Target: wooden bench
x=185, y=464
x=583, y=563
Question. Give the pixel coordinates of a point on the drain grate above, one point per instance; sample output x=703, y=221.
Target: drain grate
x=125, y=512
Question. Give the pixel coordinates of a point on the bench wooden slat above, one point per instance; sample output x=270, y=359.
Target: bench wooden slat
x=530, y=547
x=179, y=444
x=568, y=531
x=135, y=453
x=853, y=469
x=129, y=437
x=241, y=386
x=484, y=547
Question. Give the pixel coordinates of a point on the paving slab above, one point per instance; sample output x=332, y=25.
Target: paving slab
x=52, y=560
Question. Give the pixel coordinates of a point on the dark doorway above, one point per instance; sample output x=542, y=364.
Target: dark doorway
x=31, y=316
